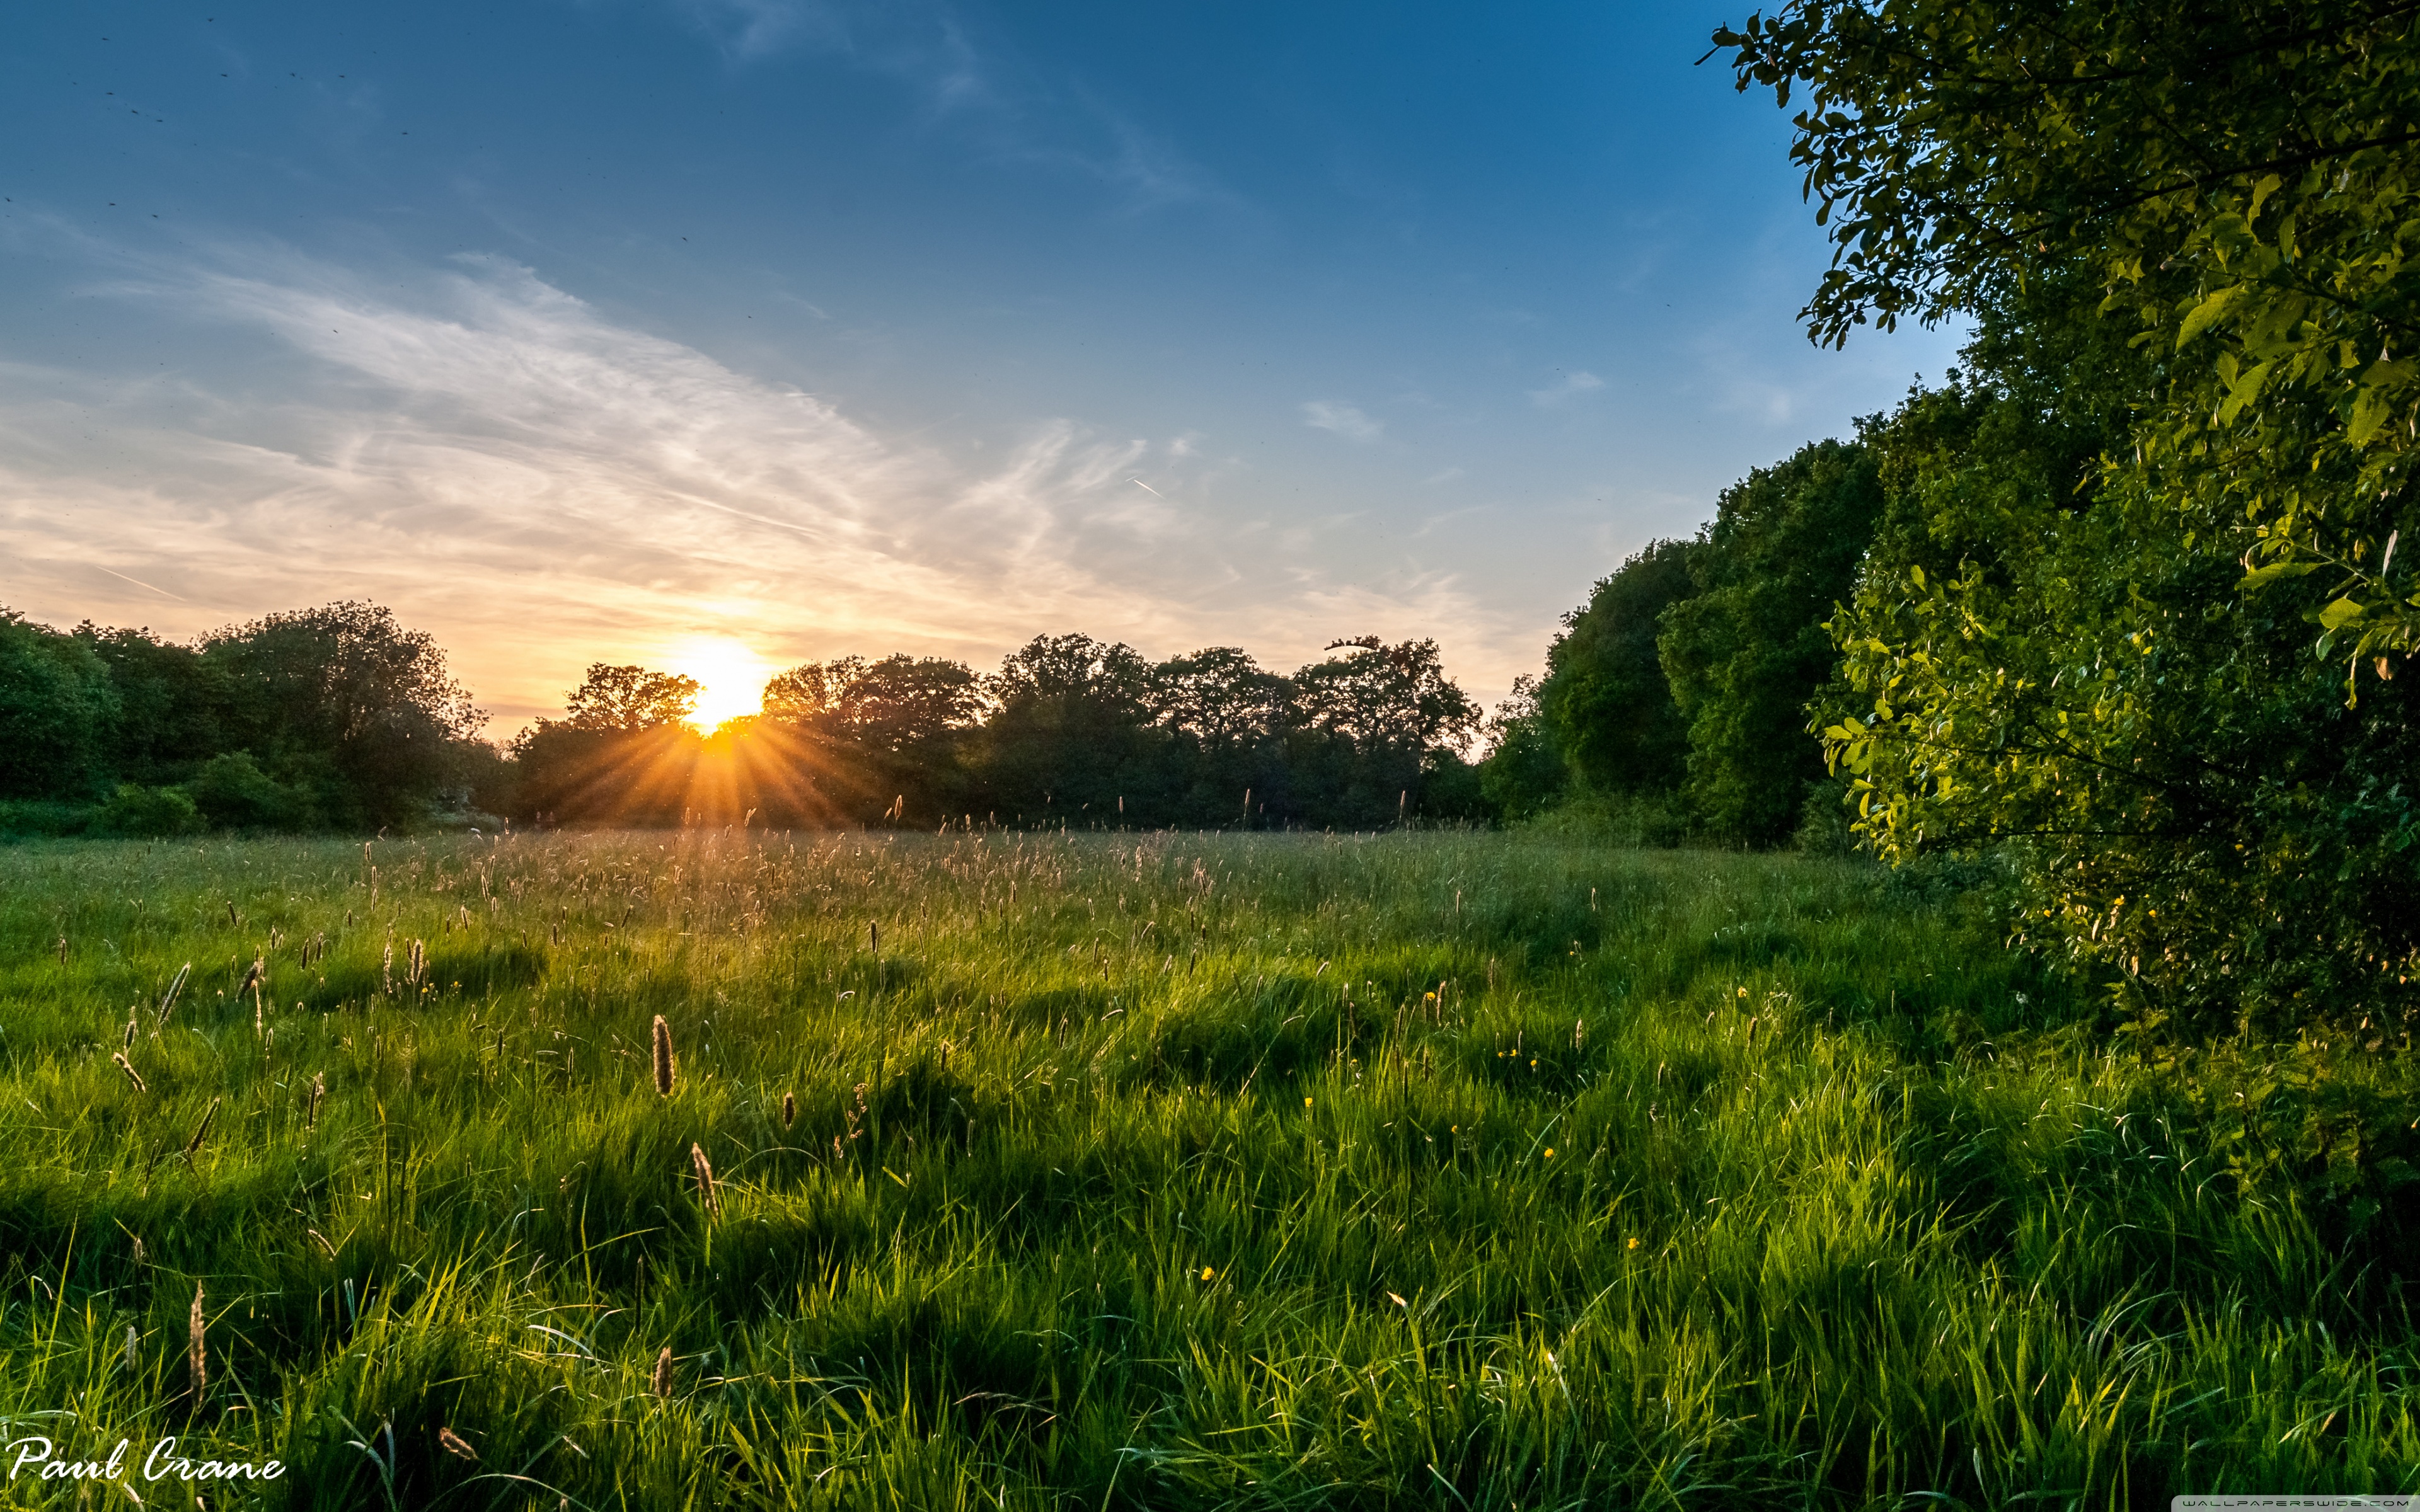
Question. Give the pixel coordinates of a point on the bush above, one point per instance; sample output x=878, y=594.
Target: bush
x=139, y=810
x=25, y=818
x=232, y=791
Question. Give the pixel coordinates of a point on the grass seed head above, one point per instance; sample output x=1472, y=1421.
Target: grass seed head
x=701, y=1171
x=197, y=1360
x=789, y=1109
x=452, y=1444
x=662, y=1035
x=168, y=998
x=127, y=1066
x=664, y=1377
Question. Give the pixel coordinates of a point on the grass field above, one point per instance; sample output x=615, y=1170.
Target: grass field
x=1465, y=1171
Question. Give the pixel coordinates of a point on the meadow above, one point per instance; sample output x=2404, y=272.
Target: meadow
x=1461, y=1170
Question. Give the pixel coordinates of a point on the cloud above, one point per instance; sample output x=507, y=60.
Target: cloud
x=1573, y=384
x=1343, y=419
x=1004, y=106
x=540, y=486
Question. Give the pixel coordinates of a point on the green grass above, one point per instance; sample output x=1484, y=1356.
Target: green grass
x=1463, y=1171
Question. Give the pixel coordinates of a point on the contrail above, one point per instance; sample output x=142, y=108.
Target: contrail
x=1147, y=487
x=136, y=582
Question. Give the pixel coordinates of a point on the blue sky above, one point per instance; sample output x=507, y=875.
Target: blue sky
x=725, y=334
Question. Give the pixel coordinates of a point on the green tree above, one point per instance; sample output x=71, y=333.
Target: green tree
x=1605, y=704
x=172, y=704
x=2242, y=180
x=1746, y=652
x=869, y=741
x=1072, y=739
x=347, y=703
x=1524, y=773
x=623, y=752
x=1374, y=726
x=56, y=706
x=2183, y=233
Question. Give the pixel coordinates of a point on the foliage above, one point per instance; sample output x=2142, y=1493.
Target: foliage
x=2172, y=478
x=1605, y=702
x=1071, y=730
x=2243, y=178
x=1748, y=649
x=352, y=707
x=1524, y=773
x=149, y=812
x=55, y=706
x=172, y=704
x=232, y=791
x=628, y=699
x=1160, y=1171
x=333, y=715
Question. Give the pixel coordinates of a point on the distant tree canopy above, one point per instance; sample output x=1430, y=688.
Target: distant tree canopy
x=1070, y=730
x=333, y=717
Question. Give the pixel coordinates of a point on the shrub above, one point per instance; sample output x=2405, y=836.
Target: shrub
x=139, y=810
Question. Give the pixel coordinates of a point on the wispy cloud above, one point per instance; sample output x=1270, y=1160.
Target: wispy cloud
x=1565, y=389
x=540, y=486
x=1343, y=419
x=1010, y=110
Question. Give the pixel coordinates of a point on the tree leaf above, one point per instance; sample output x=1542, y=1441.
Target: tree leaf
x=2198, y=319
x=2340, y=614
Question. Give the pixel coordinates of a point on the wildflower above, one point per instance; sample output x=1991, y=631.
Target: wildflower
x=1306, y=1102
x=1743, y=991
x=1633, y=1242
x=1550, y=1153
x=1207, y=1273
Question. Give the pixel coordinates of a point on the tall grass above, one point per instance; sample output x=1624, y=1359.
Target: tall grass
x=1158, y=1171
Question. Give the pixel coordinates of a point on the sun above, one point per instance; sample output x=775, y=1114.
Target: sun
x=733, y=678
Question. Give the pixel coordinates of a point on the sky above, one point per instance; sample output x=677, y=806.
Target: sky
x=721, y=335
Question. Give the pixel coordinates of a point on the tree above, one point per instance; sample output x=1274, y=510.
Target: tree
x=1525, y=772
x=1071, y=737
x=2238, y=177
x=1226, y=718
x=630, y=699
x=869, y=741
x=622, y=753
x=1605, y=704
x=2182, y=232
x=347, y=703
x=1371, y=725
x=56, y=706
x=172, y=704
x=1747, y=650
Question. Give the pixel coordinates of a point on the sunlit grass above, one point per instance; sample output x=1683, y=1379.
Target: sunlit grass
x=1152, y=1170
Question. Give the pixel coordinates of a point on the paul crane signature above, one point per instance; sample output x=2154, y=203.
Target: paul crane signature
x=35, y=1453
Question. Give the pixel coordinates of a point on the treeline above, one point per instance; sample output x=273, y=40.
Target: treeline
x=325, y=719
x=341, y=719
x=1070, y=730
x=1675, y=703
